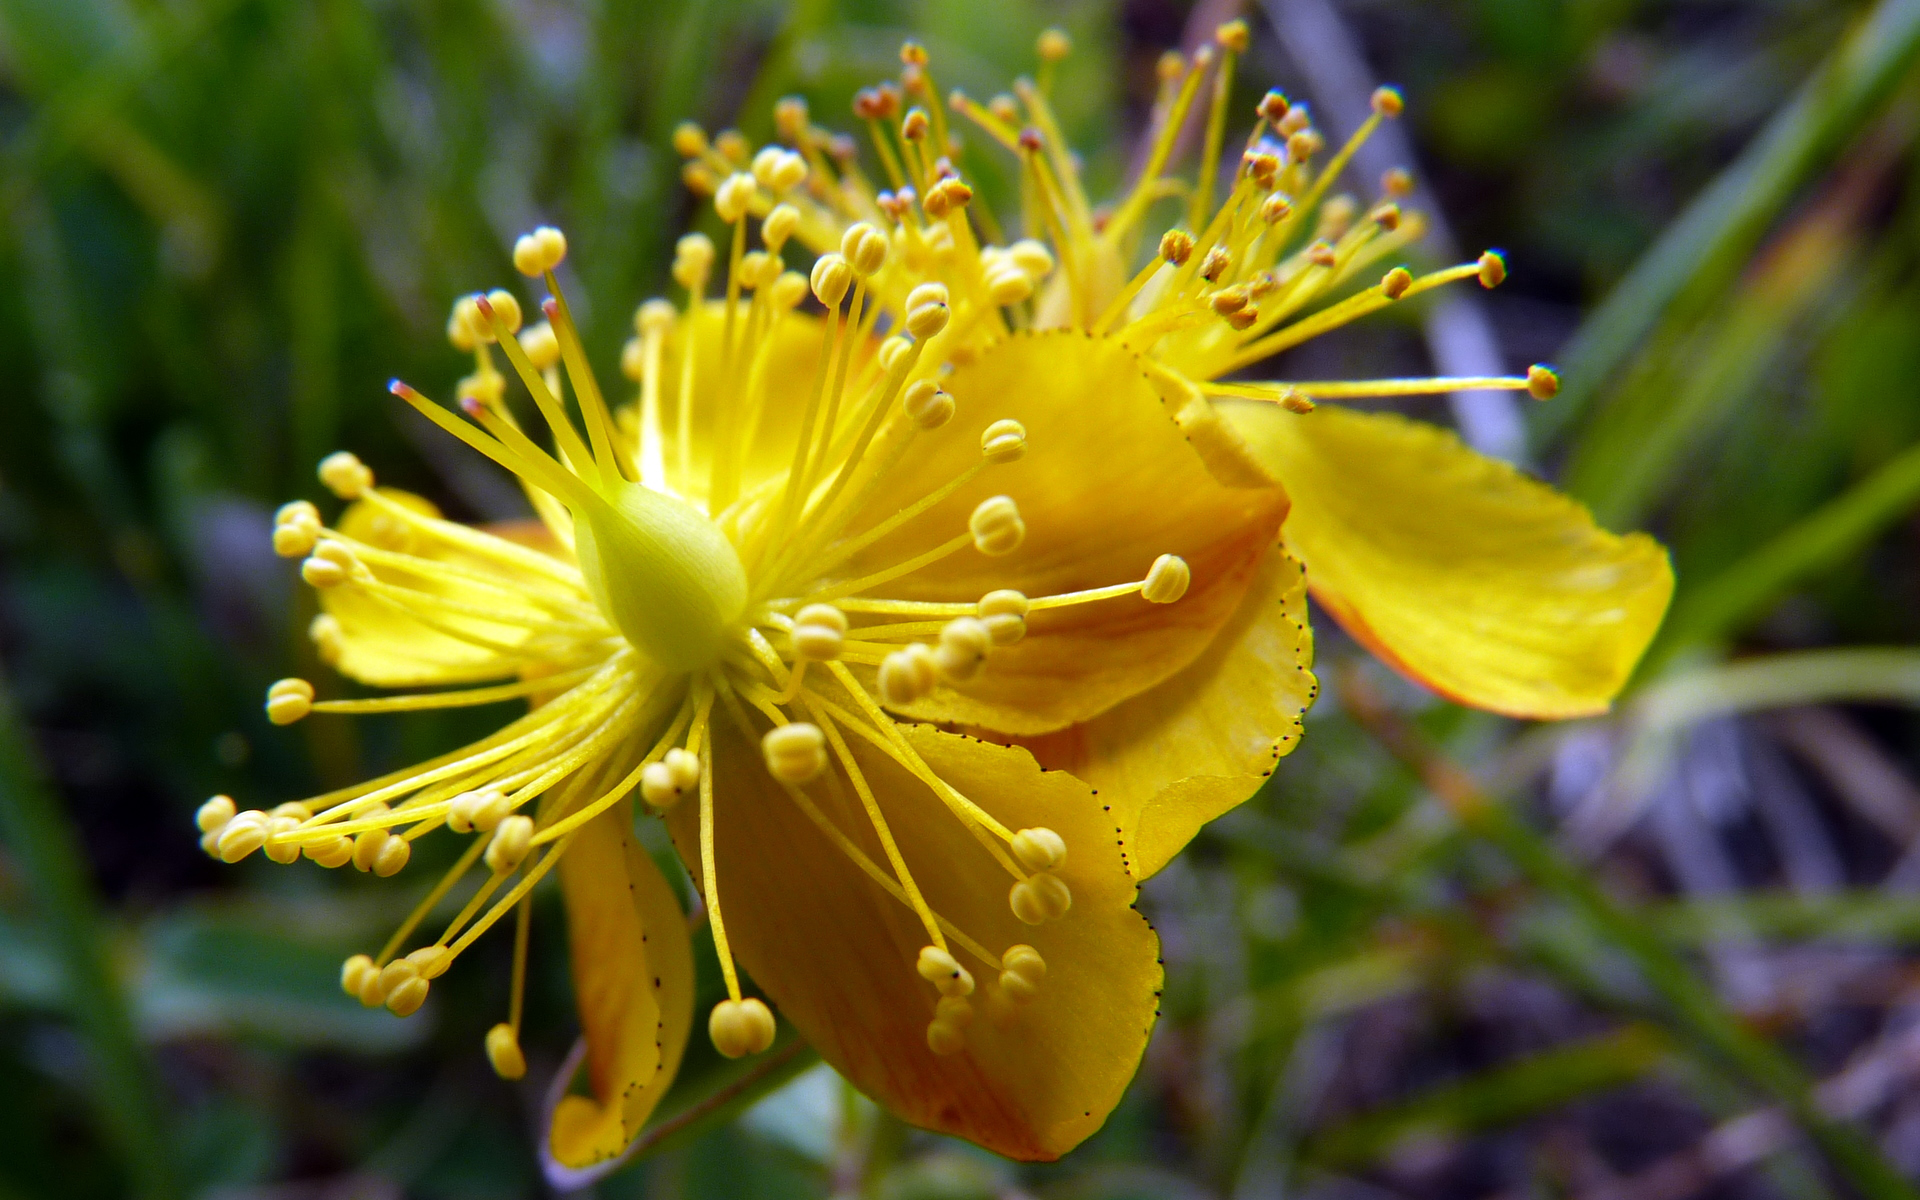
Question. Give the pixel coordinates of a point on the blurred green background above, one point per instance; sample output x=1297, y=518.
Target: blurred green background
x=1664, y=954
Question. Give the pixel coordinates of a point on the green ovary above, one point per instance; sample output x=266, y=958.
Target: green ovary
x=664, y=574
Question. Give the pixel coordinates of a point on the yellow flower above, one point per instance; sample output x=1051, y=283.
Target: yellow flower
x=834, y=592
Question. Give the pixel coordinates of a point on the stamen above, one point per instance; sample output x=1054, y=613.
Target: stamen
x=741, y=1027
x=1040, y=898
x=795, y=752
x=288, y=700
x=1039, y=849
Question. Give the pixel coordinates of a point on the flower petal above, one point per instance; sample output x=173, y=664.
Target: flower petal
x=633, y=981
x=1487, y=586
x=837, y=953
x=1108, y=484
x=1177, y=756
x=382, y=646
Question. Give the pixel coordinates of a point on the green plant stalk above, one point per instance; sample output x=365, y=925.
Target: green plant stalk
x=49, y=856
x=1690, y=1003
x=1710, y=240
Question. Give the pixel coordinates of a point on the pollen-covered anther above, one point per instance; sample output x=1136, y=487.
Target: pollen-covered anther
x=1021, y=971
x=677, y=773
x=1543, y=382
x=1007, y=284
x=1053, y=44
x=504, y=1053
x=692, y=260
x=947, y=196
x=831, y=277
x=499, y=307
x=1228, y=301
x=354, y=973
x=915, y=126
x=1493, y=269
x=1233, y=36
x=1176, y=246
x=1397, y=182
x=819, y=633
x=1388, y=102
x=1273, y=106
x=1004, y=441
x=908, y=675
x=779, y=226
x=213, y=815
x=296, y=527
x=962, y=650
x=512, y=838
x=536, y=253
x=1386, y=216
x=779, y=170
x=1243, y=319
x=741, y=1027
x=288, y=700
x=541, y=345
x=927, y=405
x=891, y=350
x=1039, y=848
x=1039, y=898
x=733, y=146
x=941, y=969
x=1295, y=400
x=1167, y=580
x=345, y=475
x=689, y=140
x=1303, y=145
x=405, y=988
x=1275, y=208
x=927, y=320
x=1215, y=264
x=330, y=852
x=1263, y=167
x=279, y=826
x=864, y=247
x=997, y=527
x=1322, y=254
x=1394, y=283
x=242, y=835
x=734, y=197
x=795, y=752
x=1004, y=613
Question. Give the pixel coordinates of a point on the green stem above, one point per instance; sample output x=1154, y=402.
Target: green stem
x=49, y=856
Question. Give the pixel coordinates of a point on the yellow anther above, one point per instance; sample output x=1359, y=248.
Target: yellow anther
x=1039, y=848
x=997, y=527
x=330, y=565
x=692, y=260
x=1004, y=613
x=678, y=773
x=945, y=1038
x=790, y=289
x=1032, y=257
x=864, y=247
x=330, y=853
x=1040, y=898
x=1008, y=285
x=1322, y=254
x=292, y=808
x=734, y=197
x=1273, y=106
x=790, y=118
x=753, y=267
x=345, y=475
x=633, y=359
x=1394, y=283
x=1170, y=66
x=1493, y=269
x=1386, y=216
x=540, y=251
x=372, y=995
x=689, y=140
x=941, y=969
x=484, y=387
x=241, y=836
x=397, y=972
x=1275, y=209
x=733, y=146
x=503, y=1049
x=502, y=307
x=354, y=973
x=393, y=856
x=740, y=1027
x=1303, y=145
x=891, y=350
x=1397, y=181
x=461, y=324
x=907, y=676
x=927, y=293
x=962, y=651
x=915, y=126
x=511, y=841
x=947, y=196
x=1167, y=580
x=655, y=316
x=1233, y=37
x=1543, y=382
x=296, y=527
x=831, y=277
x=1004, y=441
x=954, y=1010
x=766, y=164
x=1261, y=166
x=795, y=752
x=367, y=845
x=541, y=345
x=214, y=814
x=1215, y=264
x=406, y=999
x=927, y=320
x=1053, y=45
x=327, y=637
x=431, y=961
x=288, y=700
x=1176, y=246
x=1295, y=400
x=282, y=852
x=819, y=632
x=466, y=806
x=913, y=54
x=1022, y=970
x=779, y=226
x=1228, y=301
x=927, y=405
x=1388, y=102
x=1297, y=119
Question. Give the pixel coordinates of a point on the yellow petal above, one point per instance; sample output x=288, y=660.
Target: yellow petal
x=633, y=982
x=385, y=647
x=1177, y=756
x=837, y=954
x=1108, y=484
x=1487, y=586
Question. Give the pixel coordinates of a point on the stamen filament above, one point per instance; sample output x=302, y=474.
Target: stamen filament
x=460, y=699
x=586, y=388
x=1367, y=389
x=430, y=900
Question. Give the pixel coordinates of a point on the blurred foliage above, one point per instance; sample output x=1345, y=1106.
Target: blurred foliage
x=228, y=222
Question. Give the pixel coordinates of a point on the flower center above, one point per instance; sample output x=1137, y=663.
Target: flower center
x=665, y=576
